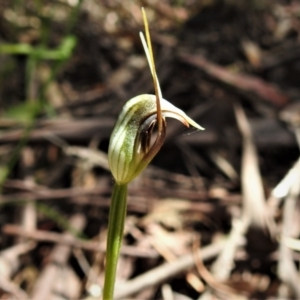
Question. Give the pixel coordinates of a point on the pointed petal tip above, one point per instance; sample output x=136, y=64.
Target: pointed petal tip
x=196, y=125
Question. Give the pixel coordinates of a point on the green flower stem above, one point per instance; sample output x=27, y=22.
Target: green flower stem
x=116, y=221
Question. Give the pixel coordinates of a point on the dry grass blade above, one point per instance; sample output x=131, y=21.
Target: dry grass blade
x=225, y=261
x=287, y=270
x=9, y=263
x=291, y=243
x=9, y=258
x=167, y=292
x=254, y=207
x=11, y=288
x=254, y=203
x=282, y=189
x=91, y=156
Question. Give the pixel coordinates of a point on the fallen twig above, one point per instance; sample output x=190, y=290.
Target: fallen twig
x=45, y=236
x=243, y=82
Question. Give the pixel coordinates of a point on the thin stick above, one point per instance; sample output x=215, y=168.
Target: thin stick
x=46, y=236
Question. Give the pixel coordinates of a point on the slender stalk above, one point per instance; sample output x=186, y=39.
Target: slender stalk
x=116, y=221
x=150, y=57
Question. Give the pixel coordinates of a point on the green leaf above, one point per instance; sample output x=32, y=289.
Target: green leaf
x=24, y=112
x=4, y=171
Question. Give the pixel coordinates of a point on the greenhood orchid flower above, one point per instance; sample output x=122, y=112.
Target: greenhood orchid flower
x=129, y=149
